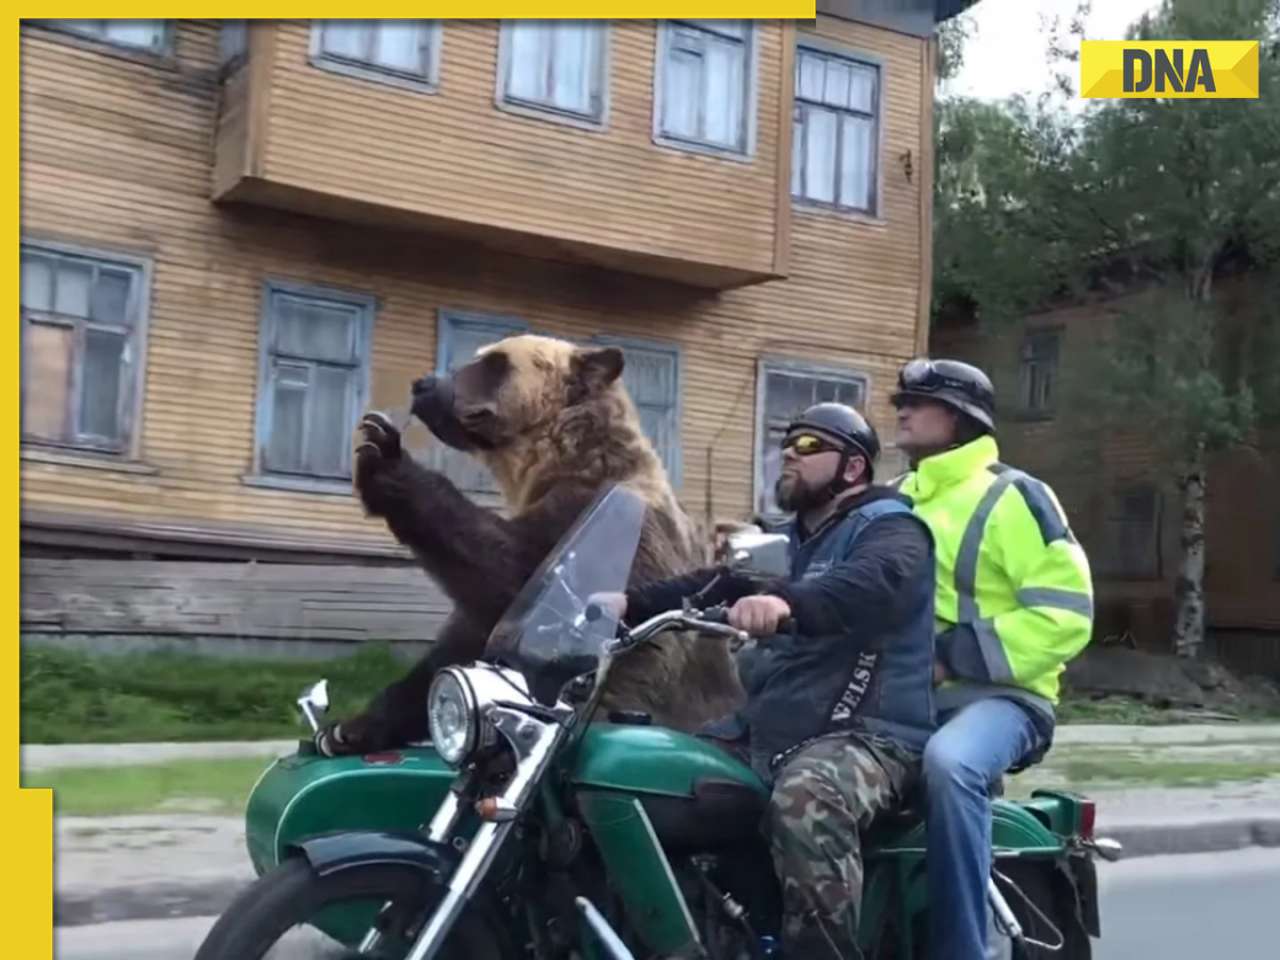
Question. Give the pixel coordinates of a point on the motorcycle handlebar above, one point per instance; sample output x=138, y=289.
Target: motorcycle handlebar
x=713, y=621
x=681, y=620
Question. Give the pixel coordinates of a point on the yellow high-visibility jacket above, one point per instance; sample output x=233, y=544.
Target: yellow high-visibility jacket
x=1014, y=595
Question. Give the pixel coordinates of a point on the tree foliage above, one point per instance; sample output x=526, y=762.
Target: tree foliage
x=1037, y=204
x=1040, y=204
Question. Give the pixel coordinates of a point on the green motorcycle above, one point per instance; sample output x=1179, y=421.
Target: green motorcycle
x=538, y=824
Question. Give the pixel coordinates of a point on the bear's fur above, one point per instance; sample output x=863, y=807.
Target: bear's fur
x=554, y=424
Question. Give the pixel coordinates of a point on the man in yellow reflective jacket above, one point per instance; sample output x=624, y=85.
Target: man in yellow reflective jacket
x=1014, y=602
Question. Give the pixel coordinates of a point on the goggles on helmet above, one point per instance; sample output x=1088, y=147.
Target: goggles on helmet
x=927, y=376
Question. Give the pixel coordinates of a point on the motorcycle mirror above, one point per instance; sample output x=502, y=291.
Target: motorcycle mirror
x=758, y=552
x=314, y=703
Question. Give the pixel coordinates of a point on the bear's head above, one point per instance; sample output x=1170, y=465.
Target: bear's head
x=511, y=389
x=535, y=405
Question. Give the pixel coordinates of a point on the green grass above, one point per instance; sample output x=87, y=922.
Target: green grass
x=1124, y=710
x=183, y=786
x=1128, y=710
x=1101, y=769
x=73, y=697
x=1165, y=773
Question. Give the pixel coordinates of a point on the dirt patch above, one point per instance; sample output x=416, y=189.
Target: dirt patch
x=1195, y=687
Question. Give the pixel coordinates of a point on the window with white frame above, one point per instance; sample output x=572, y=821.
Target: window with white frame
x=835, y=133
x=315, y=371
x=460, y=336
x=1130, y=534
x=398, y=48
x=148, y=35
x=786, y=388
x=555, y=65
x=83, y=319
x=704, y=83
x=1038, y=371
x=651, y=374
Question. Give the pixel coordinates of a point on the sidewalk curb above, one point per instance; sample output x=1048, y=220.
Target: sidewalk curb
x=164, y=901
x=37, y=757
x=1199, y=836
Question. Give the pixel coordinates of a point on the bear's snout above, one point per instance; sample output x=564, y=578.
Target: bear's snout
x=433, y=404
x=433, y=392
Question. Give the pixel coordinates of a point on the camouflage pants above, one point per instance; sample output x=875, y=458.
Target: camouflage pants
x=824, y=799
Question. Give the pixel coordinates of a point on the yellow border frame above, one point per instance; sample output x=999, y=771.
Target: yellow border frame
x=28, y=875
x=28, y=883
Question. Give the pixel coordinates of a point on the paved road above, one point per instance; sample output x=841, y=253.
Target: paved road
x=1191, y=907
x=1174, y=907
x=164, y=940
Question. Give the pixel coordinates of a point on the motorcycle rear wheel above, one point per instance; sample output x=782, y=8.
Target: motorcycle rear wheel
x=255, y=924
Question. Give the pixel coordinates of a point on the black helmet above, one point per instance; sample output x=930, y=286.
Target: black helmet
x=843, y=423
x=960, y=386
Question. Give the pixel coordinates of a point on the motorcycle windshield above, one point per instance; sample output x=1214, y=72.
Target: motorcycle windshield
x=552, y=632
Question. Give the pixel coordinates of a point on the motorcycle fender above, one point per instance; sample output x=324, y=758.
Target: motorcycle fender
x=1085, y=874
x=305, y=795
x=334, y=852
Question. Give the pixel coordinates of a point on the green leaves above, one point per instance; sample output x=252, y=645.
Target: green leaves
x=1037, y=205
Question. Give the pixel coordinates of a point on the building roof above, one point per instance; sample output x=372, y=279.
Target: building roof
x=946, y=9
x=916, y=17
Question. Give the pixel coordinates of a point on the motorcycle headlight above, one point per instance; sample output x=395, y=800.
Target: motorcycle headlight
x=453, y=716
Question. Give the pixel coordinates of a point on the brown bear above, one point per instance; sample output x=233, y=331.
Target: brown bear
x=554, y=424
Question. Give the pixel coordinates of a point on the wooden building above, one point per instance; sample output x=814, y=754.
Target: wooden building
x=236, y=238
x=1120, y=494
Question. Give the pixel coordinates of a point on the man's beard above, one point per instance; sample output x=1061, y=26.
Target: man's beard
x=795, y=496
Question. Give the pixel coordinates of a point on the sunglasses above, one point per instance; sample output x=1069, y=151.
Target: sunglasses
x=807, y=444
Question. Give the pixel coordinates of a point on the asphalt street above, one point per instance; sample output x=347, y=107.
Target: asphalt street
x=1185, y=907
x=1191, y=906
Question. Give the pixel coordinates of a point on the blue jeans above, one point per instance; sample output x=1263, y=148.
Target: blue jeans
x=971, y=749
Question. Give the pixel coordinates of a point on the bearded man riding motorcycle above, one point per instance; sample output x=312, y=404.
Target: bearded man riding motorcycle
x=840, y=706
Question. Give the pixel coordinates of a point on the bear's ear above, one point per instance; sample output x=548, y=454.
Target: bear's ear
x=592, y=370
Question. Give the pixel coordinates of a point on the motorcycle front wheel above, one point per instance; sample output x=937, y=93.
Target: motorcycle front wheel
x=292, y=913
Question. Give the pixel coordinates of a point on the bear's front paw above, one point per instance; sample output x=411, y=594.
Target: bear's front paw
x=378, y=447
x=379, y=436
x=364, y=733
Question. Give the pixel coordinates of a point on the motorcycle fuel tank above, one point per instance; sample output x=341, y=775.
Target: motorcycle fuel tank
x=643, y=759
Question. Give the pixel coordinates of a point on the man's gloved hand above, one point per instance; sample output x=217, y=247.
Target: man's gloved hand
x=759, y=615
x=940, y=673
x=958, y=654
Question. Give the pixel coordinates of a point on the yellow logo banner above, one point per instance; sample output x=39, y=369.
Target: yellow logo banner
x=1172, y=69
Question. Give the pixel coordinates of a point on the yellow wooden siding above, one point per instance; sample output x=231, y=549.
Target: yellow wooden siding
x=119, y=156
x=450, y=154
x=231, y=132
